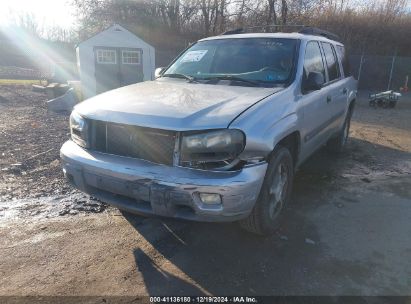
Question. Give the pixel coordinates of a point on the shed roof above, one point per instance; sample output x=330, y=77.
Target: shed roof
x=117, y=26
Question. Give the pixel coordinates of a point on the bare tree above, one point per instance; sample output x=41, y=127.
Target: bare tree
x=284, y=11
x=29, y=23
x=272, y=14
x=208, y=10
x=172, y=23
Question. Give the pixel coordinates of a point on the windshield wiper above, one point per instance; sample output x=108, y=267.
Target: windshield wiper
x=234, y=78
x=183, y=76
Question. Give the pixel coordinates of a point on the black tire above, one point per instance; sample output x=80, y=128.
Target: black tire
x=336, y=144
x=392, y=104
x=267, y=213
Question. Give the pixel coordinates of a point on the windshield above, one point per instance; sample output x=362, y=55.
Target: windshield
x=265, y=61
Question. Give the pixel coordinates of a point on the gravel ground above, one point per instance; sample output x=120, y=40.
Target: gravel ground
x=345, y=233
x=30, y=140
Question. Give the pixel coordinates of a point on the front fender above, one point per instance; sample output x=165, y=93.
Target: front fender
x=260, y=145
x=267, y=122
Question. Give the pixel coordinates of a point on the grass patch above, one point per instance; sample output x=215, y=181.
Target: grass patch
x=21, y=82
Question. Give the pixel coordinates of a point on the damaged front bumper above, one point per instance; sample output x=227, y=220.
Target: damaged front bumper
x=143, y=187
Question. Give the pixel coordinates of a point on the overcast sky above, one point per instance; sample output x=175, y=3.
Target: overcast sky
x=47, y=12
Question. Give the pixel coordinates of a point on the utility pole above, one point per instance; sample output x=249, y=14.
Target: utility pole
x=392, y=69
x=360, y=67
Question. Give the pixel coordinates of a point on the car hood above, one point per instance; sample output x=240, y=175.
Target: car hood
x=173, y=104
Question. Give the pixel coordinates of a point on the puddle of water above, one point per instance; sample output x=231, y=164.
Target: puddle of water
x=50, y=206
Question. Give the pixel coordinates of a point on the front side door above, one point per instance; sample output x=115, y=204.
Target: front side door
x=107, y=69
x=131, y=66
x=316, y=104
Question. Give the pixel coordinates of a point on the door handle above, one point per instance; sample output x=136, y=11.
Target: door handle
x=329, y=99
x=345, y=91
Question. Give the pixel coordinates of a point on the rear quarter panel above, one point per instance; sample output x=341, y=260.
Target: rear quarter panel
x=351, y=84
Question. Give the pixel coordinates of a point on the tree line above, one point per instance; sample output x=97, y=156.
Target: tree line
x=373, y=26
x=365, y=26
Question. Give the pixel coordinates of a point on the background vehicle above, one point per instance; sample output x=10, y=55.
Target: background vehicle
x=218, y=136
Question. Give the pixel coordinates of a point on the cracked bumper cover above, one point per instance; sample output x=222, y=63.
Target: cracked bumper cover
x=143, y=187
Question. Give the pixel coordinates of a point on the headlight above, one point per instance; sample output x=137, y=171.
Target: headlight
x=79, y=129
x=218, y=147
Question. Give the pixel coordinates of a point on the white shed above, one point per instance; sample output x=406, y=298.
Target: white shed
x=113, y=58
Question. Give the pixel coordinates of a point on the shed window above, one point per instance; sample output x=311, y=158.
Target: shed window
x=131, y=57
x=106, y=56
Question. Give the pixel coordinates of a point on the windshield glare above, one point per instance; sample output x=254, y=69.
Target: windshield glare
x=268, y=61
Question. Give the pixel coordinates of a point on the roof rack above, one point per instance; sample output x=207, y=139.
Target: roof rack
x=235, y=31
x=307, y=30
x=265, y=28
x=319, y=32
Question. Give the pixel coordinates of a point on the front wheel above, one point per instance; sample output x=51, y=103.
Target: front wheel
x=274, y=195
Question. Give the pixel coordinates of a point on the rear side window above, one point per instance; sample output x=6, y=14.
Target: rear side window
x=313, y=61
x=344, y=60
x=332, y=62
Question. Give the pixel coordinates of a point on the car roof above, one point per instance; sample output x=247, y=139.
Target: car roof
x=298, y=36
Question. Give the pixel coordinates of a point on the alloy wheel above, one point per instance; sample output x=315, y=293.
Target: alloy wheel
x=278, y=190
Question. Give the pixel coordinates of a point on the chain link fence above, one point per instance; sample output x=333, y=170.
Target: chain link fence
x=379, y=73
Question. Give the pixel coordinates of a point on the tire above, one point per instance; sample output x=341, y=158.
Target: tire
x=336, y=144
x=392, y=104
x=275, y=192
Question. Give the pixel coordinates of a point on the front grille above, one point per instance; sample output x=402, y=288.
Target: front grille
x=154, y=145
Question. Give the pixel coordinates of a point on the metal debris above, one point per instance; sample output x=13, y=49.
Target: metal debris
x=309, y=241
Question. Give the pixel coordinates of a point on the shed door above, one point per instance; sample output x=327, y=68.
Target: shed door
x=117, y=67
x=131, y=66
x=107, y=71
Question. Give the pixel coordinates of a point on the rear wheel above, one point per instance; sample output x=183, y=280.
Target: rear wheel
x=274, y=195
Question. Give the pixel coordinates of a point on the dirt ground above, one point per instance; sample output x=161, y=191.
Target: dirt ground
x=346, y=232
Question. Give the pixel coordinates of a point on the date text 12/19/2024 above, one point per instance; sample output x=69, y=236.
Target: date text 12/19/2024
x=203, y=299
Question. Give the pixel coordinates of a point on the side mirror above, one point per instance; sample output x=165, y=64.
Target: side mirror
x=314, y=82
x=158, y=72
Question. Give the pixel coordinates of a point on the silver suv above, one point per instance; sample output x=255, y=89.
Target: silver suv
x=220, y=132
